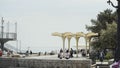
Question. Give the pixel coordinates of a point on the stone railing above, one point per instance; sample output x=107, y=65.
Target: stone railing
x=43, y=63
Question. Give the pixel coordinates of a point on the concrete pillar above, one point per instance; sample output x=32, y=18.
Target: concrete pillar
x=69, y=43
x=89, y=45
x=77, y=40
x=63, y=39
x=86, y=44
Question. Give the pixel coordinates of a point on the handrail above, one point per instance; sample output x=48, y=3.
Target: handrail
x=8, y=35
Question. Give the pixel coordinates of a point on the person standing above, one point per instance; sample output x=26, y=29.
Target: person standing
x=101, y=56
x=30, y=52
x=71, y=52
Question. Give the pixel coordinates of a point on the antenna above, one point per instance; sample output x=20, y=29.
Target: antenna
x=2, y=27
x=2, y=21
x=8, y=29
x=108, y=2
x=16, y=30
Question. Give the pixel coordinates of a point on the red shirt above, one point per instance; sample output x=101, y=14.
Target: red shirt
x=0, y=52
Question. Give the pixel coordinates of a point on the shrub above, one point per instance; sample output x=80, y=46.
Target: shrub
x=109, y=55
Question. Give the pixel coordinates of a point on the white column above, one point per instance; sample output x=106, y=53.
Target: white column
x=77, y=40
x=63, y=38
x=69, y=43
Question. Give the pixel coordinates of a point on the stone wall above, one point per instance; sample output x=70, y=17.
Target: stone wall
x=43, y=63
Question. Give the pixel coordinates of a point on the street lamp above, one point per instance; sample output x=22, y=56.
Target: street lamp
x=117, y=49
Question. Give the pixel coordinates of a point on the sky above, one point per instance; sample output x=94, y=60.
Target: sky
x=38, y=19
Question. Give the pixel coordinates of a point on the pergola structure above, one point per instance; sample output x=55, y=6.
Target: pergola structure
x=68, y=35
x=88, y=37
x=63, y=36
x=76, y=35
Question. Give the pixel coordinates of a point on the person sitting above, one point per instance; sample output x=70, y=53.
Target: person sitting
x=8, y=53
x=67, y=55
x=71, y=52
x=83, y=53
x=60, y=55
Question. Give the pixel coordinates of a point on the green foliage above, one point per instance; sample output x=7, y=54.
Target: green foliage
x=105, y=25
x=104, y=17
x=93, y=57
x=108, y=36
x=109, y=55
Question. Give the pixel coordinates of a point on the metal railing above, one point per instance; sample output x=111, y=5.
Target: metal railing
x=8, y=36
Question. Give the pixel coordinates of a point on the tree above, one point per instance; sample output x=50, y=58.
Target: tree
x=108, y=36
x=107, y=16
x=105, y=26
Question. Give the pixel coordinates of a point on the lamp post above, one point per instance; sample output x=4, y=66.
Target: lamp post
x=117, y=49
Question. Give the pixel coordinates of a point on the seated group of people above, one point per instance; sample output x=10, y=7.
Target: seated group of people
x=68, y=54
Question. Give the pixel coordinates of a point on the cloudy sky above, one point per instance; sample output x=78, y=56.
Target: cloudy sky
x=37, y=19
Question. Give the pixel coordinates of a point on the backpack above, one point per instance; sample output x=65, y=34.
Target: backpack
x=117, y=65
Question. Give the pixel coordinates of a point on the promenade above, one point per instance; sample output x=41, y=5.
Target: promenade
x=55, y=57
x=98, y=64
x=48, y=61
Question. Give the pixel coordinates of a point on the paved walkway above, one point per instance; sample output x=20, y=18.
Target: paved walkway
x=55, y=57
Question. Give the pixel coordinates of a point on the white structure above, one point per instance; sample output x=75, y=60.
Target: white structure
x=77, y=35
